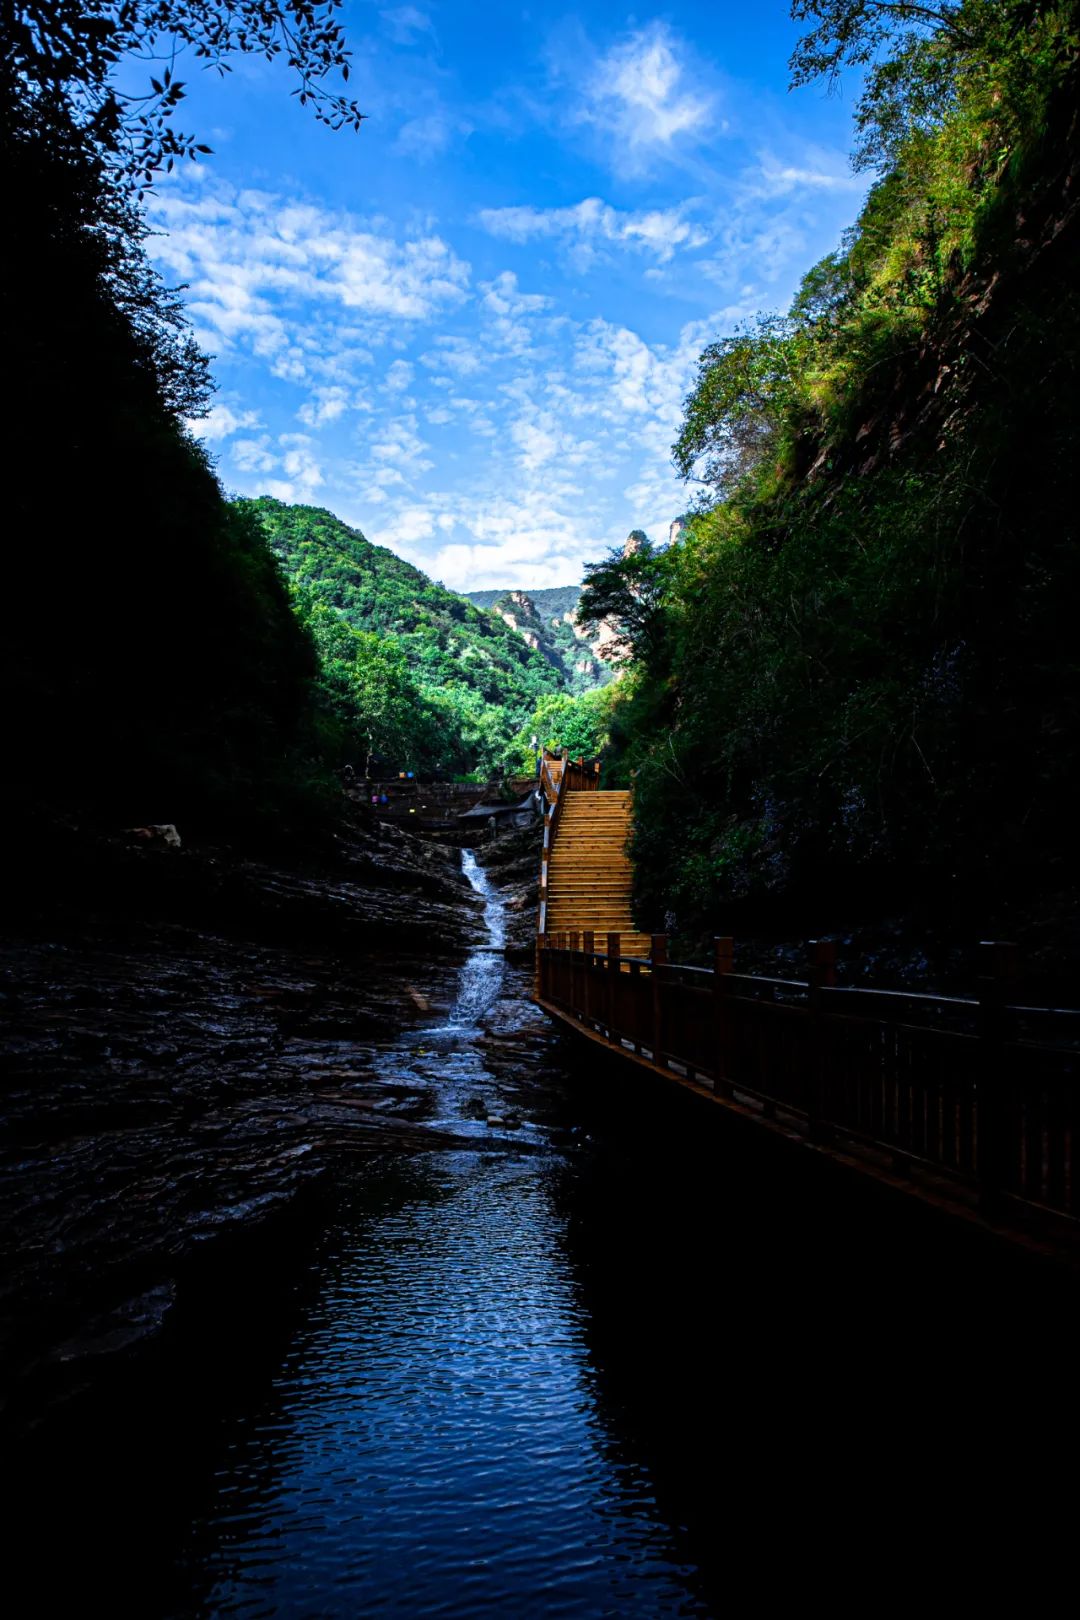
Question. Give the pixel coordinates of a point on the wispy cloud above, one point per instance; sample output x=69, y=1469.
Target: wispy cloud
x=644, y=97
x=221, y=421
x=427, y=137
x=585, y=226
x=406, y=24
x=325, y=405
x=294, y=455
x=814, y=170
x=499, y=421
x=283, y=279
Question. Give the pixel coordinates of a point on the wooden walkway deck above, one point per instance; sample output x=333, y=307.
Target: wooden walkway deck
x=973, y=1104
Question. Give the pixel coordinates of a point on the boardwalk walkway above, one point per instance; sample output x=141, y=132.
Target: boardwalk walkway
x=974, y=1103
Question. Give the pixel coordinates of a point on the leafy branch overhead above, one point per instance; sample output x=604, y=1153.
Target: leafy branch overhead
x=73, y=49
x=913, y=55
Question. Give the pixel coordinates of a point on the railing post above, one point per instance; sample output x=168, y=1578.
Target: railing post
x=589, y=947
x=723, y=960
x=822, y=976
x=997, y=965
x=658, y=960
x=614, y=952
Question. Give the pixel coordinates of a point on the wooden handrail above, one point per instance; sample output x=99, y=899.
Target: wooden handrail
x=570, y=776
x=956, y=1083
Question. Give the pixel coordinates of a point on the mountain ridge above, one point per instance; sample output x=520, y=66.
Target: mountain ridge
x=544, y=619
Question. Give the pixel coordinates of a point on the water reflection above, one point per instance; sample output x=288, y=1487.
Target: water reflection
x=433, y=1441
x=615, y=1362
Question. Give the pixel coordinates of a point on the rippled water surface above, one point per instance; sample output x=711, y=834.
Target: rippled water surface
x=599, y=1359
x=432, y=1442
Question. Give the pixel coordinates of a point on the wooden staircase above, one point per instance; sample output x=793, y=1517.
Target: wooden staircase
x=589, y=874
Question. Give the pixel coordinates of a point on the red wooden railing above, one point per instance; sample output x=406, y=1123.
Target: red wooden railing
x=982, y=1090
x=559, y=775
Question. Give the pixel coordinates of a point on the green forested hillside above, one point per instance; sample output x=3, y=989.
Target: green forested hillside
x=551, y=600
x=546, y=615
x=856, y=679
x=466, y=681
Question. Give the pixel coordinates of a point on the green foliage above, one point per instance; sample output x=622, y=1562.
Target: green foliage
x=747, y=387
x=860, y=680
x=152, y=667
x=70, y=50
x=581, y=724
x=924, y=62
x=467, y=680
x=625, y=591
x=954, y=93
x=550, y=601
x=547, y=616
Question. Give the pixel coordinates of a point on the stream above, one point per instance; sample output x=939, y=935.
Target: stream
x=433, y=1440
x=592, y=1360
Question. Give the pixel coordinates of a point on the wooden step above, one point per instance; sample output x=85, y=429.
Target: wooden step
x=580, y=874
x=582, y=847
x=590, y=886
x=596, y=884
x=618, y=921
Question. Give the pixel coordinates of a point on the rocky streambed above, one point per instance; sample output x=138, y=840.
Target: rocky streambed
x=190, y=1039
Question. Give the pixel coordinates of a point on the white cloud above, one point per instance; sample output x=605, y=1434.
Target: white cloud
x=455, y=354
x=298, y=461
x=301, y=288
x=428, y=137
x=405, y=23
x=503, y=297
x=817, y=171
x=657, y=231
x=399, y=376
x=400, y=444
x=325, y=405
x=640, y=95
x=254, y=455
x=293, y=454
x=221, y=421
x=412, y=523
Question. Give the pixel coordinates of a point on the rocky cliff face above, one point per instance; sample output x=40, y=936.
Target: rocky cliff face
x=554, y=635
x=519, y=612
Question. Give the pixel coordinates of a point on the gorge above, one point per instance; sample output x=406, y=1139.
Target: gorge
x=554, y=1096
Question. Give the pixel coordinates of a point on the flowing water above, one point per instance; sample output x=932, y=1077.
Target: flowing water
x=599, y=1359
x=433, y=1441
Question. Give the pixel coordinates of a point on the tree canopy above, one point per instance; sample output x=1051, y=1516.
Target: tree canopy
x=72, y=49
x=625, y=592
x=853, y=680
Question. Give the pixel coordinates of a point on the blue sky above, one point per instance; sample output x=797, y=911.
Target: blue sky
x=469, y=328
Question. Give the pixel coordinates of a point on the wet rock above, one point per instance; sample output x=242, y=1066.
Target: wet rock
x=163, y=833
x=512, y=862
x=188, y=1044
x=129, y=1324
